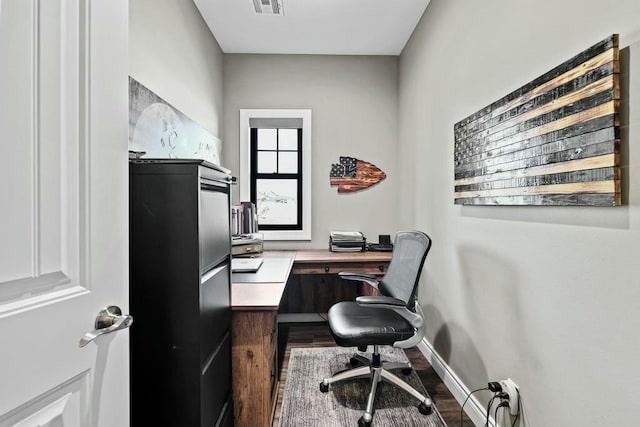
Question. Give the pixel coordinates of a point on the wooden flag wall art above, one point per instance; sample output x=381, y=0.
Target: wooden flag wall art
x=352, y=174
x=554, y=141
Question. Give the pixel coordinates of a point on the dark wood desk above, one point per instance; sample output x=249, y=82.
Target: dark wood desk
x=322, y=261
x=312, y=286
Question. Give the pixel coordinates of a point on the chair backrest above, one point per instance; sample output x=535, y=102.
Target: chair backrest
x=410, y=250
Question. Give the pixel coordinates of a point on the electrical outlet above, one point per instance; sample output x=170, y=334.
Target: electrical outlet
x=509, y=387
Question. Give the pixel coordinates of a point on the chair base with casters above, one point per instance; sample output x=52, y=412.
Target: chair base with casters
x=377, y=371
x=393, y=318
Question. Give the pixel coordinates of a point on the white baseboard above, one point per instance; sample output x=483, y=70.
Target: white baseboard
x=458, y=389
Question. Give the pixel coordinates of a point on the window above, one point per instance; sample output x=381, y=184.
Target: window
x=276, y=177
x=275, y=170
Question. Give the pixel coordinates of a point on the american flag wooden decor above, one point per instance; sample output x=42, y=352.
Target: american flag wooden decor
x=352, y=174
x=554, y=141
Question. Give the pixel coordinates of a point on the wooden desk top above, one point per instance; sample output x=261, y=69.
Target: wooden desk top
x=267, y=296
x=261, y=296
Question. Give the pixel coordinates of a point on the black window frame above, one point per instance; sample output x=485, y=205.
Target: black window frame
x=255, y=176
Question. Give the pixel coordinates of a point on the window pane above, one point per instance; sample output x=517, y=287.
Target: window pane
x=288, y=162
x=267, y=139
x=267, y=162
x=277, y=201
x=288, y=139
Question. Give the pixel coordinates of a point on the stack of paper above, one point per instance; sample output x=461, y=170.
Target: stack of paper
x=346, y=241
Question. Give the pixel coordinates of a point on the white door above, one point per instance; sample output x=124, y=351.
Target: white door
x=63, y=213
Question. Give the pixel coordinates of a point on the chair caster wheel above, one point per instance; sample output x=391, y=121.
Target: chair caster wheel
x=354, y=362
x=324, y=387
x=363, y=423
x=425, y=409
x=406, y=371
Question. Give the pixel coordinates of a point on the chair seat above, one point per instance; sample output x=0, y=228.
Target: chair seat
x=354, y=325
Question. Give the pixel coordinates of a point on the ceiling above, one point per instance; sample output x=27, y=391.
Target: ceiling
x=332, y=27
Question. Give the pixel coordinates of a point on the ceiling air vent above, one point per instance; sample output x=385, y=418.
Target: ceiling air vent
x=268, y=7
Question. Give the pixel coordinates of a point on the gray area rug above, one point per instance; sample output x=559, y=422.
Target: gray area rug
x=304, y=405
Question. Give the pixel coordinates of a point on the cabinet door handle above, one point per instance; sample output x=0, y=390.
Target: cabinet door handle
x=326, y=269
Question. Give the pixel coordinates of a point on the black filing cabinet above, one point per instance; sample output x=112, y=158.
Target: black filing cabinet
x=180, y=277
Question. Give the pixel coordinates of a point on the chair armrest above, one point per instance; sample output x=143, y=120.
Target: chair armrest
x=394, y=304
x=386, y=302
x=360, y=277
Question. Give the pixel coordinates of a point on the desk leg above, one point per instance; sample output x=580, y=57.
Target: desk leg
x=255, y=367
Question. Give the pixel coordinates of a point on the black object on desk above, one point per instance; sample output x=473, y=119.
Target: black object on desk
x=379, y=247
x=384, y=244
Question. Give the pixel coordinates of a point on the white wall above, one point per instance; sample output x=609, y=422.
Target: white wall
x=172, y=52
x=354, y=103
x=548, y=296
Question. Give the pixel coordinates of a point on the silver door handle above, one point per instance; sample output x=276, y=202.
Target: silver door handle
x=109, y=319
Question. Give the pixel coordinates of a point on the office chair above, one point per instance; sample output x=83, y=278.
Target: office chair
x=393, y=319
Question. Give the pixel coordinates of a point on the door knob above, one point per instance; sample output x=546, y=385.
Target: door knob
x=108, y=320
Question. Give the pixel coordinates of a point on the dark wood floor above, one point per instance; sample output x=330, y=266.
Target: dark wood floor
x=318, y=335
